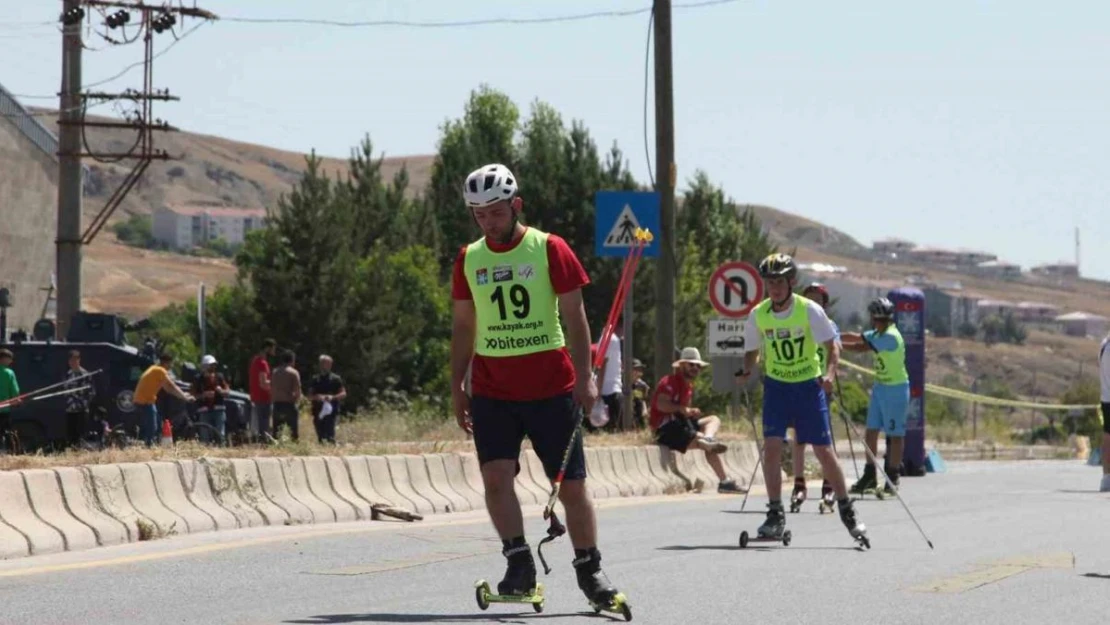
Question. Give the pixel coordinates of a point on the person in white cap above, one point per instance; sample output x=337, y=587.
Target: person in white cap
x=210, y=389
x=678, y=425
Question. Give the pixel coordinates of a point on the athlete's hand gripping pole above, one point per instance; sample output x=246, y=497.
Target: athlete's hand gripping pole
x=871, y=455
x=556, y=529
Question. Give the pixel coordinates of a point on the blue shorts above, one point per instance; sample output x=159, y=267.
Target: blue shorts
x=800, y=405
x=889, y=404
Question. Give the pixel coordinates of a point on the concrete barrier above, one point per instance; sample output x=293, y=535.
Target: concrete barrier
x=600, y=488
x=16, y=511
x=382, y=477
x=609, y=469
x=12, y=543
x=437, y=475
x=648, y=486
x=139, y=483
x=297, y=481
x=531, y=465
x=343, y=486
x=107, y=481
x=46, y=500
x=399, y=473
x=248, y=481
x=422, y=483
x=194, y=483
x=640, y=457
x=472, y=473
x=274, y=488
x=365, y=487
x=630, y=474
x=221, y=480
x=456, y=477
x=320, y=485
x=80, y=499
x=167, y=484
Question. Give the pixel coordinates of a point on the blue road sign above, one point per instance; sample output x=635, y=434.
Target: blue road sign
x=618, y=215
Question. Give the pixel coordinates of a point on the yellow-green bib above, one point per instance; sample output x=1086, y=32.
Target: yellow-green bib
x=517, y=309
x=890, y=367
x=789, y=351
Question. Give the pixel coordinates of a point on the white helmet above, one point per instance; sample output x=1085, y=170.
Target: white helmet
x=208, y=359
x=488, y=184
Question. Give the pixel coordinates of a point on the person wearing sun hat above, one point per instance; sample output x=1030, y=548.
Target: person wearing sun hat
x=678, y=425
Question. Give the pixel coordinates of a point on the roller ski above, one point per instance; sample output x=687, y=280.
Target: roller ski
x=519, y=584
x=798, y=497
x=773, y=529
x=599, y=591
x=828, y=499
x=867, y=484
x=855, y=528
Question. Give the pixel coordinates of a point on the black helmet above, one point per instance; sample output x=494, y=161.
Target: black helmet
x=881, y=308
x=778, y=265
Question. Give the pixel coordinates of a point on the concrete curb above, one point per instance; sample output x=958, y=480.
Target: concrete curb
x=77, y=508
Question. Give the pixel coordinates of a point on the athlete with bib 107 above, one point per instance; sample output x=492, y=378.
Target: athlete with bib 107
x=788, y=329
x=510, y=289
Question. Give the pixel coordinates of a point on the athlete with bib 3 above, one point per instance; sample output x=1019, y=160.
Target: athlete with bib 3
x=890, y=394
x=789, y=328
x=510, y=289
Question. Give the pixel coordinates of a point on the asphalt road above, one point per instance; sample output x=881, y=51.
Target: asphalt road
x=1018, y=542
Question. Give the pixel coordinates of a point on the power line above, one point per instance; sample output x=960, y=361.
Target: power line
x=468, y=23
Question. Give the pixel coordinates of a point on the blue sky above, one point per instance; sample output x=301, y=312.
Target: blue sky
x=944, y=123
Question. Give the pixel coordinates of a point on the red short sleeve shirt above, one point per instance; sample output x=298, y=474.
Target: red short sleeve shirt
x=677, y=389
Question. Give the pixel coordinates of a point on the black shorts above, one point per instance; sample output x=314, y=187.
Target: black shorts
x=501, y=425
x=1106, y=417
x=677, y=433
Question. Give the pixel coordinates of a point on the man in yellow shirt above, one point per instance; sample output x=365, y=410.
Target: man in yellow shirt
x=155, y=379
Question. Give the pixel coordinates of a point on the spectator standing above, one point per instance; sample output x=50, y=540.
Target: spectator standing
x=286, y=390
x=611, y=370
x=640, y=391
x=326, y=392
x=77, y=404
x=156, y=378
x=9, y=389
x=211, y=388
x=259, y=386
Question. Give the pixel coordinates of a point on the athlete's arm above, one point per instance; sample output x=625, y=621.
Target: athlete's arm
x=832, y=349
x=463, y=329
x=573, y=311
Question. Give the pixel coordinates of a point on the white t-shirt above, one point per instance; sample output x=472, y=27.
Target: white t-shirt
x=611, y=383
x=819, y=324
x=1104, y=368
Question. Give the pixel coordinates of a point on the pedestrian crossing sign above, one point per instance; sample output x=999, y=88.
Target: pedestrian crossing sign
x=619, y=214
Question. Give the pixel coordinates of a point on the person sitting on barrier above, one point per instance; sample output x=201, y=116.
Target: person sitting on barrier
x=678, y=425
x=890, y=395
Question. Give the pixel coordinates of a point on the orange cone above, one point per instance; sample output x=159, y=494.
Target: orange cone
x=167, y=433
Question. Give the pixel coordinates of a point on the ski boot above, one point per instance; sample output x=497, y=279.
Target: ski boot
x=519, y=584
x=599, y=591
x=773, y=529
x=828, y=500
x=799, y=494
x=855, y=528
x=729, y=486
x=867, y=484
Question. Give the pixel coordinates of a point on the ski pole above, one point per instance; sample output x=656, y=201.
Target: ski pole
x=28, y=394
x=555, y=528
x=844, y=415
x=871, y=455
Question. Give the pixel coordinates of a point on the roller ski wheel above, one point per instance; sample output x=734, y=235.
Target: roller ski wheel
x=619, y=605
x=797, y=498
x=746, y=540
x=825, y=507
x=485, y=596
x=863, y=541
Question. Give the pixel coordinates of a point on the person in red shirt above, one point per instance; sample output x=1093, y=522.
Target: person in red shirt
x=678, y=425
x=259, y=386
x=538, y=387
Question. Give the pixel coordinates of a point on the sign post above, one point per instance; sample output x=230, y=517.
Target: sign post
x=735, y=288
x=618, y=214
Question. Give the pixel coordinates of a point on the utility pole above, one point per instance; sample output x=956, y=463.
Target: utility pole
x=665, y=174
x=72, y=144
x=68, y=240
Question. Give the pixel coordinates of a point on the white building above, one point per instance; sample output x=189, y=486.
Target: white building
x=851, y=294
x=998, y=269
x=892, y=246
x=183, y=227
x=1083, y=324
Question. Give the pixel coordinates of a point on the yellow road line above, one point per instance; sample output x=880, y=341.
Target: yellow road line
x=998, y=570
